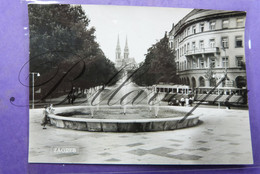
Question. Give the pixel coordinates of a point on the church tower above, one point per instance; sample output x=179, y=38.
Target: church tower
x=118, y=50
x=126, y=50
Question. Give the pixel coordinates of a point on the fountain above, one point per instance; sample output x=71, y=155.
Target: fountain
x=98, y=115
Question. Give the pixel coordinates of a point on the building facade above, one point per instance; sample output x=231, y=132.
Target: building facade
x=124, y=61
x=210, y=42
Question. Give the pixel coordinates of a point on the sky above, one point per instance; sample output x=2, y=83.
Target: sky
x=143, y=27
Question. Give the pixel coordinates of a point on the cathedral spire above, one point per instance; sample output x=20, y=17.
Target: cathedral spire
x=126, y=50
x=118, y=49
x=118, y=44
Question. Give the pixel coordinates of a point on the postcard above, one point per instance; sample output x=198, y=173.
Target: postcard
x=137, y=85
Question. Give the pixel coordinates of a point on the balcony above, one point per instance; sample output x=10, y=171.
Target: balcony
x=214, y=50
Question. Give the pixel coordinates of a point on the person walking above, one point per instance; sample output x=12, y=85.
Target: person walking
x=182, y=101
x=190, y=101
x=45, y=117
x=187, y=101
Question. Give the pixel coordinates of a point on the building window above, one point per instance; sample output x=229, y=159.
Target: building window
x=194, y=64
x=177, y=66
x=224, y=42
x=201, y=44
x=193, y=45
x=188, y=46
x=225, y=23
x=202, y=81
x=194, y=29
x=225, y=62
x=188, y=31
x=240, y=22
x=201, y=63
x=212, y=43
x=188, y=64
x=201, y=27
x=212, y=25
x=212, y=63
x=185, y=49
x=239, y=42
x=239, y=60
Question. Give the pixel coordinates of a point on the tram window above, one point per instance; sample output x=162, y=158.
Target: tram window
x=174, y=90
x=157, y=89
x=161, y=89
x=180, y=90
x=170, y=89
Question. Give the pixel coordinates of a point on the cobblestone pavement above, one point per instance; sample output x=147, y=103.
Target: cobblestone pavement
x=222, y=138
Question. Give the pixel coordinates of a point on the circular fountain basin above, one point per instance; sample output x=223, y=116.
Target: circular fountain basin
x=125, y=123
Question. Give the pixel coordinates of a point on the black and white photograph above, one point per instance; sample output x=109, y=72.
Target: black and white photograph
x=137, y=85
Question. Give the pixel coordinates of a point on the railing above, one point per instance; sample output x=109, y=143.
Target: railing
x=203, y=51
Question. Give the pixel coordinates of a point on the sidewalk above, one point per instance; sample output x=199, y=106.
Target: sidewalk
x=223, y=138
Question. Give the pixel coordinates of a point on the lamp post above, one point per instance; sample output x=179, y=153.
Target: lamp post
x=38, y=74
x=223, y=47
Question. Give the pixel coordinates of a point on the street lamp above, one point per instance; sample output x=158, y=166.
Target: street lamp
x=223, y=47
x=38, y=75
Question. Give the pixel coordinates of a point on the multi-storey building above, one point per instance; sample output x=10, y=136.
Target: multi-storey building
x=210, y=40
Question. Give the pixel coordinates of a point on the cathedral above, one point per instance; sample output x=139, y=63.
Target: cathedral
x=124, y=61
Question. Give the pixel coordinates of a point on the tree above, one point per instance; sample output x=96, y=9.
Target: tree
x=63, y=49
x=159, y=65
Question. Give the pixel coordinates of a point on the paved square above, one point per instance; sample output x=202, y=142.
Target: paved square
x=221, y=139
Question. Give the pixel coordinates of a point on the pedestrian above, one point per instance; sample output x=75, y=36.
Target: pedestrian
x=187, y=101
x=177, y=102
x=227, y=104
x=182, y=101
x=45, y=117
x=174, y=101
x=69, y=98
x=190, y=101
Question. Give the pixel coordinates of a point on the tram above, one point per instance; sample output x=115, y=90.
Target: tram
x=210, y=95
x=172, y=89
x=232, y=95
x=174, y=93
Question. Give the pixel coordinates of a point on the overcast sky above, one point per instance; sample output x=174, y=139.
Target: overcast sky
x=143, y=26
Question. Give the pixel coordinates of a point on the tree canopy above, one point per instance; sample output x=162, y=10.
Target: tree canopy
x=159, y=65
x=62, y=44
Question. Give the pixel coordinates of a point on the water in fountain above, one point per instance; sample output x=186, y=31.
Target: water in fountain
x=125, y=90
x=158, y=99
x=148, y=99
x=90, y=95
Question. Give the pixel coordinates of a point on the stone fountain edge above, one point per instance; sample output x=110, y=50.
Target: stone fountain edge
x=117, y=125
